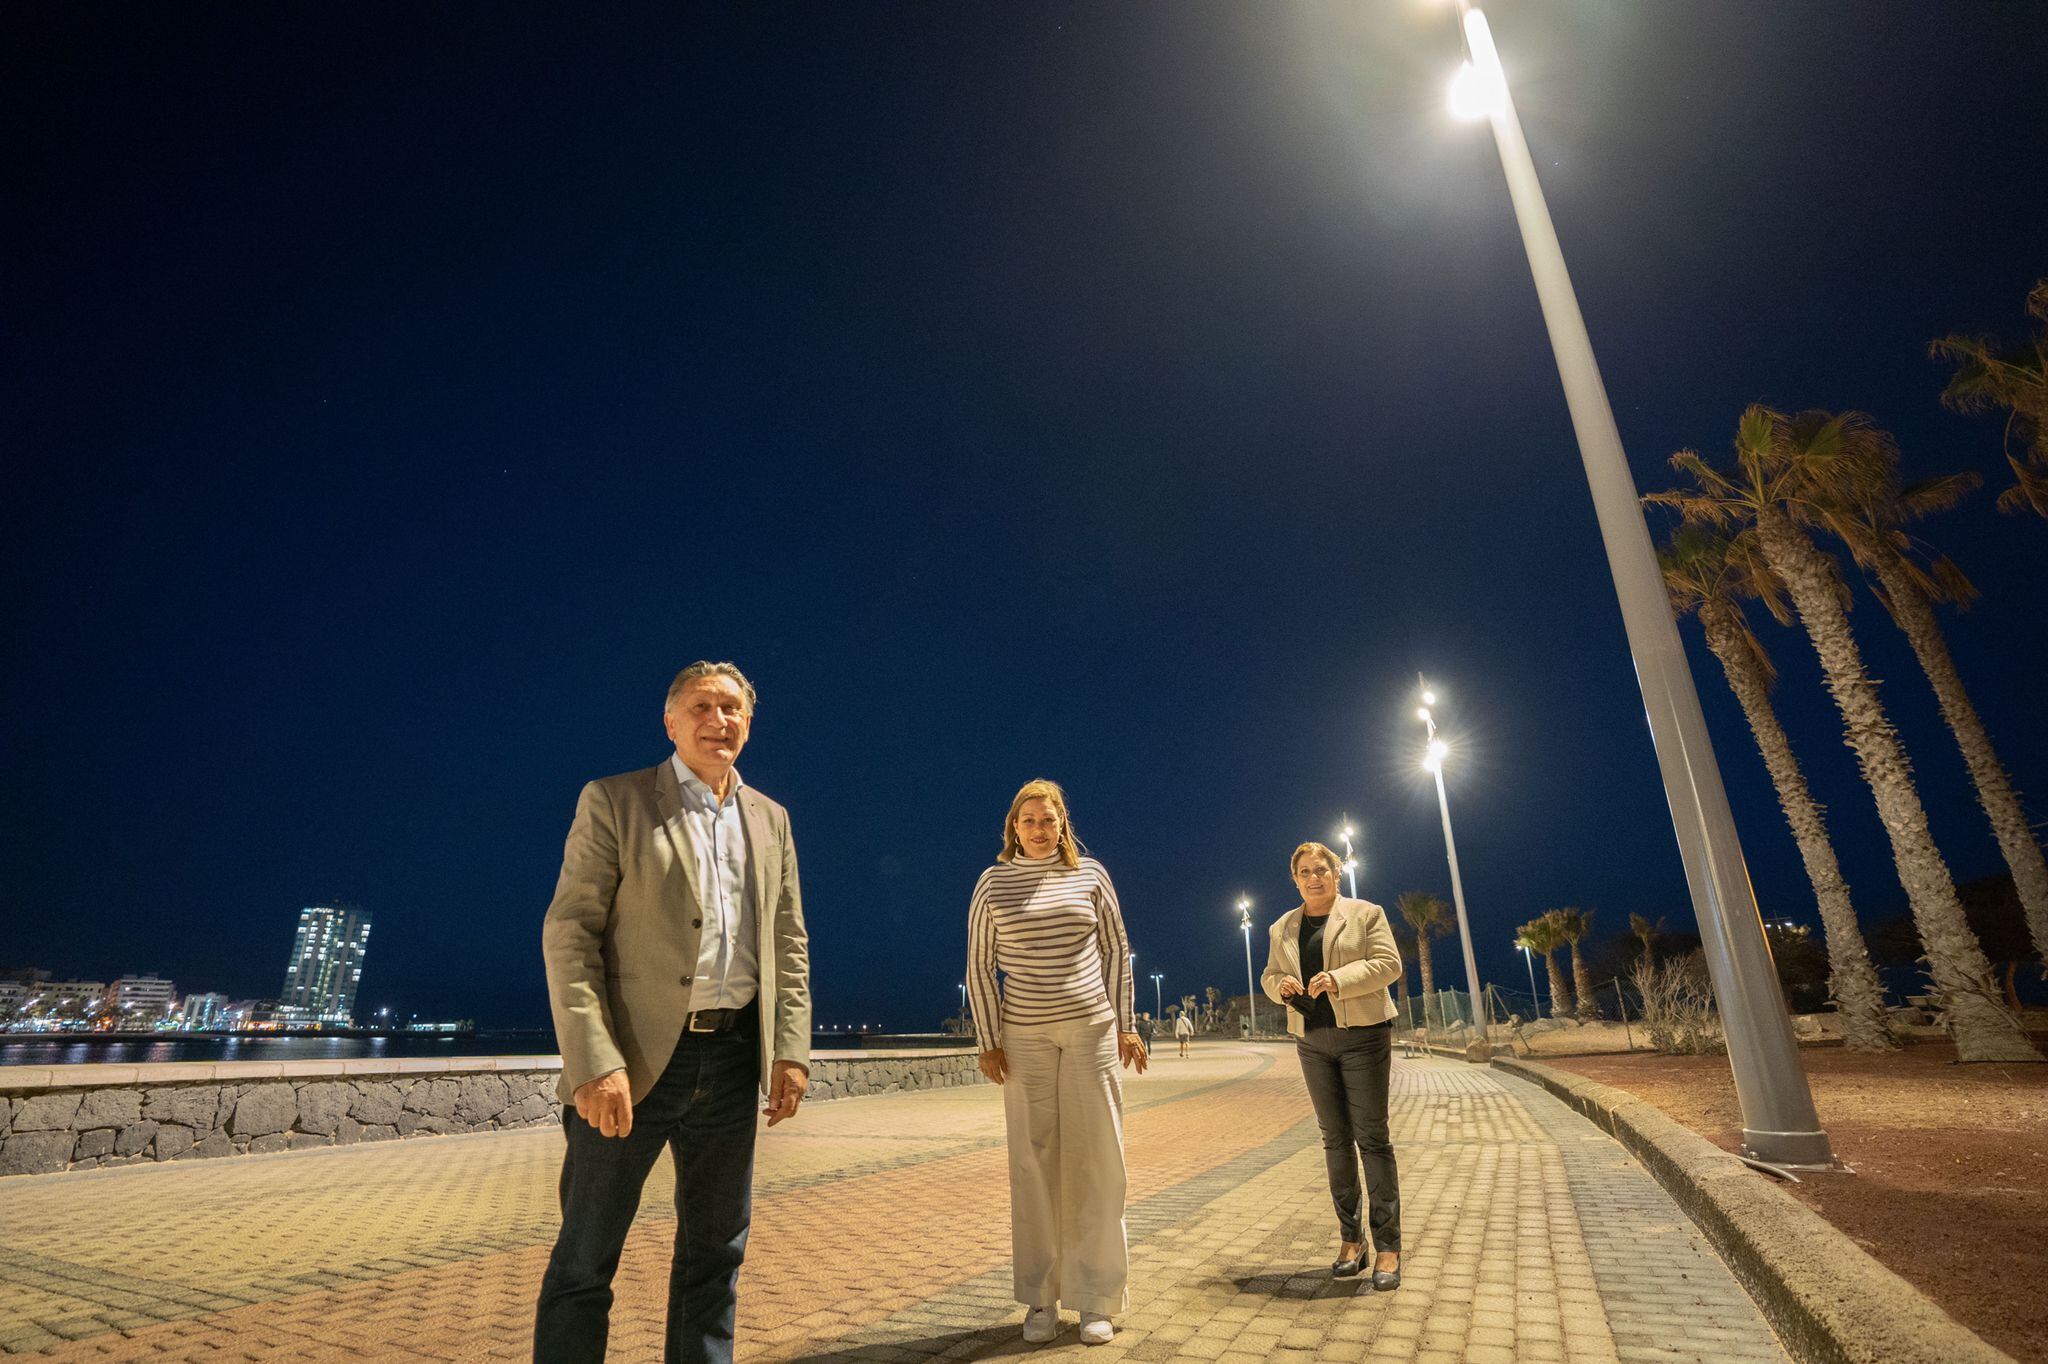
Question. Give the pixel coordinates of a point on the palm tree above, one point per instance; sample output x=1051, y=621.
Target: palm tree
x=1781, y=463
x=1572, y=925
x=1990, y=374
x=1543, y=938
x=1430, y=917
x=1647, y=932
x=1711, y=573
x=1870, y=515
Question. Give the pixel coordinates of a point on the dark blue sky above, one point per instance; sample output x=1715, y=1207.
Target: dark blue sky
x=1136, y=395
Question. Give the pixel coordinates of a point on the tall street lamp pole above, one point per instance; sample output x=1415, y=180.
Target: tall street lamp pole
x=1158, y=1008
x=1350, y=858
x=1433, y=762
x=1779, y=1121
x=1529, y=960
x=1251, y=991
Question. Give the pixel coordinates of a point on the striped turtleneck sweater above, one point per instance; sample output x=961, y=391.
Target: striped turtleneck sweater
x=1057, y=936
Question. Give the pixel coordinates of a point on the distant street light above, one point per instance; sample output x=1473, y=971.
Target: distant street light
x=1529, y=960
x=1779, y=1121
x=1433, y=763
x=1251, y=993
x=1350, y=857
x=1158, y=1009
x=963, y=997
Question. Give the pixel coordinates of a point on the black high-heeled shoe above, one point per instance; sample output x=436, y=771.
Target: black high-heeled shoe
x=1351, y=1268
x=1385, y=1280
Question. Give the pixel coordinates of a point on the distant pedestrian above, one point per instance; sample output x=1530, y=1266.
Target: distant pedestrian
x=678, y=972
x=1183, y=1029
x=1146, y=1029
x=1046, y=917
x=1342, y=1022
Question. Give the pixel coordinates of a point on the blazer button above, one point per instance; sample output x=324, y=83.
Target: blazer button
x=696, y=923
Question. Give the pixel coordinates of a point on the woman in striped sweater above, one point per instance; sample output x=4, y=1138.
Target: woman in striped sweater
x=1046, y=917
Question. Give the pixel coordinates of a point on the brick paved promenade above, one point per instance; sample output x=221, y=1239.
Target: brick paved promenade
x=881, y=1233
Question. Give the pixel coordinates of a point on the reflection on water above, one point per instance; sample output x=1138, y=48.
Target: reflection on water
x=68, y=1051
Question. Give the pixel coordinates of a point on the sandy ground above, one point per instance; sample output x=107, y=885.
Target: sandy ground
x=1950, y=1188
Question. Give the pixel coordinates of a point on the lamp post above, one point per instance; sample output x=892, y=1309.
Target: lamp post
x=1529, y=960
x=1779, y=1122
x=1350, y=858
x=1433, y=763
x=963, y=998
x=1158, y=1009
x=1251, y=993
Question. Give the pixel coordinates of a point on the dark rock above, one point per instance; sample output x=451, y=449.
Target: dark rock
x=94, y=1144
x=347, y=1132
x=35, y=1153
x=173, y=1141
x=109, y=1108
x=268, y=1142
x=193, y=1106
x=479, y=1098
x=531, y=1109
x=213, y=1144
x=134, y=1139
x=380, y=1132
x=263, y=1110
x=434, y=1098
x=48, y=1112
x=323, y=1106
x=377, y=1103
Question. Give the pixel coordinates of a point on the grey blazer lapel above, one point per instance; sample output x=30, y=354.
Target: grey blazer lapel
x=760, y=837
x=1289, y=930
x=668, y=804
x=1340, y=921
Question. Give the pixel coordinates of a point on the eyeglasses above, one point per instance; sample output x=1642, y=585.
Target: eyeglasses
x=1312, y=874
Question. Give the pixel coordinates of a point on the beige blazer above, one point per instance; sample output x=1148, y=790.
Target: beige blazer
x=1358, y=952
x=620, y=938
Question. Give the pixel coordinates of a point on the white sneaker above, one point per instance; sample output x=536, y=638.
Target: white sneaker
x=1096, y=1329
x=1041, y=1324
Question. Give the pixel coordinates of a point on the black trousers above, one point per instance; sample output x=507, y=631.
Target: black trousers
x=702, y=1110
x=1346, y=1070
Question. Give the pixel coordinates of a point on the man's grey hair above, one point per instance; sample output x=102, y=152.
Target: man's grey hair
x=702, y=669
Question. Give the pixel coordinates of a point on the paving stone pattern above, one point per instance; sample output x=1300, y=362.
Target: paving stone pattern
x=882, y=1233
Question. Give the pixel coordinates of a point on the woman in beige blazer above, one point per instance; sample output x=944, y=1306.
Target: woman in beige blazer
x=1330, y=962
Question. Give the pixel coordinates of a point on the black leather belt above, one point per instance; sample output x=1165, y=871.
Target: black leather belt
x=714, y=1020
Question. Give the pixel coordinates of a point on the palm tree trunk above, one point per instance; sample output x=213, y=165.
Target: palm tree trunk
x=1428, y=980
x=1852, y=980
x=1983, y=1030
x=1582, y=986
x=1994, y=788
x=1560, y=993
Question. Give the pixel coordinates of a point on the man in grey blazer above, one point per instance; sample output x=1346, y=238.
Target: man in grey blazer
x=679, y=976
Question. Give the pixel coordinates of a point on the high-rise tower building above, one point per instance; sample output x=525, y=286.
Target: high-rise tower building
x=326, y=965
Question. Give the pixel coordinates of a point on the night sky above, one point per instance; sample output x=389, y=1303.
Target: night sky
x=1137, y=395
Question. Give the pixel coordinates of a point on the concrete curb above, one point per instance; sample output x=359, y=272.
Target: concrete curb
x=1826, y=1297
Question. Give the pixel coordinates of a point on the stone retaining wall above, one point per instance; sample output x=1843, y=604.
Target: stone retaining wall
x=84, y=1117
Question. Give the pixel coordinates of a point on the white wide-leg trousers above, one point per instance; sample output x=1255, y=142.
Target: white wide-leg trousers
x=1063, y=1106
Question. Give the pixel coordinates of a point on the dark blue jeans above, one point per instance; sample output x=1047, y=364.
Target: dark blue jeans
x=703, y=1109
x=1347, y=1072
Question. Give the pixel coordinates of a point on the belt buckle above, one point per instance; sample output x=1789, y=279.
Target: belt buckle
x=691, y=1024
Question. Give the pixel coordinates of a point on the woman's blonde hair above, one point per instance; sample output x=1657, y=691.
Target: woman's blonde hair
x=1294, y=862
x=1049, y=792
